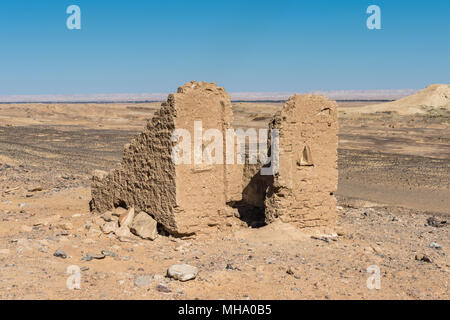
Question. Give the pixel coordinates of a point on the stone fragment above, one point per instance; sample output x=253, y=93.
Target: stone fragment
x=325, y=237
x=117, y=212
x=108, y=253
x=183, y=272
x=36, y=189
x=60, y=254
x=163, y=289
x=437, y=223
x=109, y=227
x=92, y=256
x=126, y=218
x=108, y=217
x=144, y=226
x=294, y=271
x=123, y=232
x=423, y=257
x=435, y=245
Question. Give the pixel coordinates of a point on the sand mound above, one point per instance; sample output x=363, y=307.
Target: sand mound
x=433, y=97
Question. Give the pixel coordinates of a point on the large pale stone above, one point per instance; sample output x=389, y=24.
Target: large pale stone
x=126, y=218
x=182, y=272
x=144, y=226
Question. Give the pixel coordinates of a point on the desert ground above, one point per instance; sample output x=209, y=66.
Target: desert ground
x=393, y=195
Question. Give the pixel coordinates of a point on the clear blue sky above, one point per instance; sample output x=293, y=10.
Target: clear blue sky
x=244, y=45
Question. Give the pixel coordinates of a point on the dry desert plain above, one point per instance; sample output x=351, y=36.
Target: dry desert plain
x=393, y=196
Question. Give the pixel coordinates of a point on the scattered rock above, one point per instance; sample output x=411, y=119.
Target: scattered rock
x=107, y=253
x=60, y=254
x=11, y=190
x=42, y=249
x=326, y=237
x=433, y=222
x=126, y=218
x=231, y=267
x=107, y=216
x=87, y=258
x=117, y=212
x=183, y=272
x=143, y=281
x=92, y=256
x=163, y=288
x=37, y=189
x=293, y=271
x=63, y=233
x=144, y=226
x=423, y=257
x=109, y=227
x=124, y=232
x=97, y=256
x=435, y=245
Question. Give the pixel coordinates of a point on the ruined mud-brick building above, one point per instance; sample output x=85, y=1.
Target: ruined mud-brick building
x=184, y=198
x=302, y=192
x=189, y=198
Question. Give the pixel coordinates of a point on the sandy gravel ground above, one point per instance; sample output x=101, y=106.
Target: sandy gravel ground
x=394, y=215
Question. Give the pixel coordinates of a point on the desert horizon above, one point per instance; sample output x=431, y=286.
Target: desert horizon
x=340, y=95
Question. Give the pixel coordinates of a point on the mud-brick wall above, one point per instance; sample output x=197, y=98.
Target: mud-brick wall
x=203, y=190
x=302, y=192
x=184, y=198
